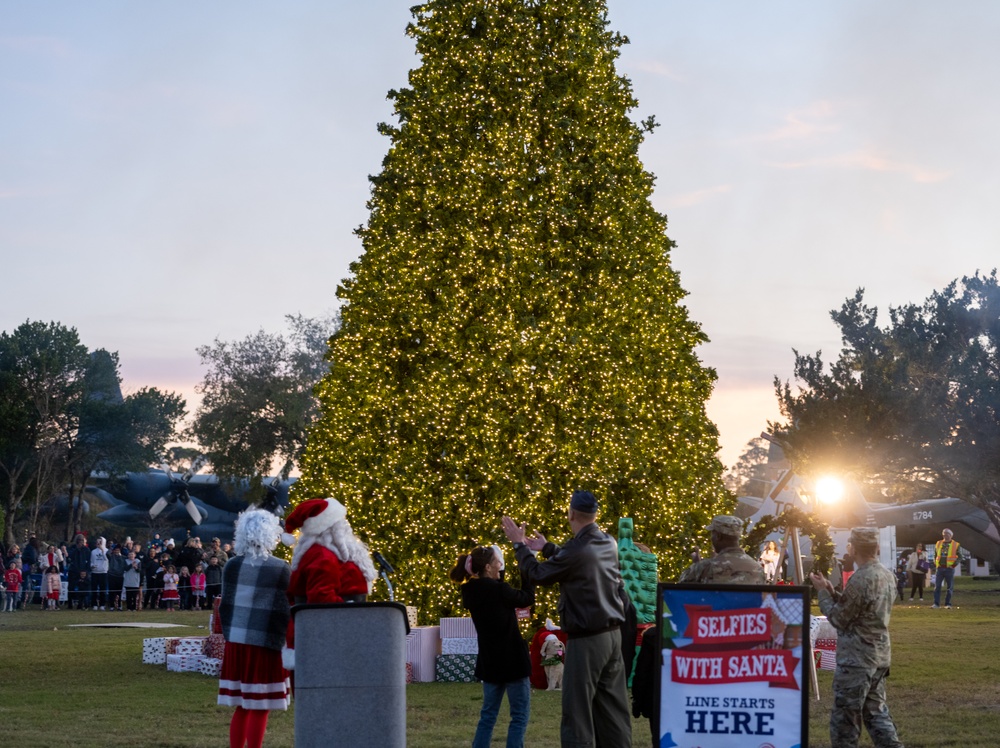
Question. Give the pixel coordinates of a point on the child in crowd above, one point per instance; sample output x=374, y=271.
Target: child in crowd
x=213, y=579
x=12, y=581
x=184, y=588
x=82, y=592
x=132, y=580
x=51, y=587
x=198, y=587
x=170, y=593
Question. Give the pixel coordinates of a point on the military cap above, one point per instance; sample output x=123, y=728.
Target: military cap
x=726, y=524
x=864, y=536
x=583, y=501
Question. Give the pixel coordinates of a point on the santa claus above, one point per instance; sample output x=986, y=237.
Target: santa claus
x=329, y=565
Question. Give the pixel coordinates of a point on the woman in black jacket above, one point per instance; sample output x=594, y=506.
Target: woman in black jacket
x=502, y=664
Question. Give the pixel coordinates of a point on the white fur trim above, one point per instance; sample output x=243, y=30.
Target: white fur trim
x=287, y=539
x=334, y=513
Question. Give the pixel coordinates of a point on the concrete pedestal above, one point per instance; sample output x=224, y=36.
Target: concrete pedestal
x=350, y=675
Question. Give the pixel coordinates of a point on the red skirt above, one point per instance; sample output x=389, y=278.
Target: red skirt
x=253, y=678
x=171, y=595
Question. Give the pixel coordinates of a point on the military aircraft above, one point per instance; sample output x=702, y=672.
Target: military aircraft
x=199, y=505
x=918, y=522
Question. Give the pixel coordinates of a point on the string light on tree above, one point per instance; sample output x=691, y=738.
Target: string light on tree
x=513, y=330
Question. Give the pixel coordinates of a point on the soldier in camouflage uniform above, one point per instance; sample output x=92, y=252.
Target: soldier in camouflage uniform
x=729, y=565
x=861, y=616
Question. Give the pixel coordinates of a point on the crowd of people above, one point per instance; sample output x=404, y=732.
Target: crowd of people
x=330, y=564
x=114, y=575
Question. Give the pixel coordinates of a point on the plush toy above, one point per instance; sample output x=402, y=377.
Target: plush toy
x=553, y=652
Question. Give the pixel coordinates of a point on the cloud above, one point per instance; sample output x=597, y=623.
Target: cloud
x=805, y=123
x=865, y=160
x=698, y=196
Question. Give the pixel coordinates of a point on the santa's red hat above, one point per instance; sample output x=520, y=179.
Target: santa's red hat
x=314, y=516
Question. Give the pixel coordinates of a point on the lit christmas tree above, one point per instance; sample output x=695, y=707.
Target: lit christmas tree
x=513, y=330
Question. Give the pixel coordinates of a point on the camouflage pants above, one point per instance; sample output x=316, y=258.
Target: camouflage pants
x=859, y=696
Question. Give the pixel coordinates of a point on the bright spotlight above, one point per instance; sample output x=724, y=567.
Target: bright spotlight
x=829, y=490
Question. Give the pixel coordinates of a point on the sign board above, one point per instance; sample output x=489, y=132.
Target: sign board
x=732, y=671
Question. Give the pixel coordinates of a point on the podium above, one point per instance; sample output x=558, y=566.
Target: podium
x=350, y=675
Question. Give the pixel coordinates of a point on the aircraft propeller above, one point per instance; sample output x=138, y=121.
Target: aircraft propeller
x=179, y=492
x=271, y=501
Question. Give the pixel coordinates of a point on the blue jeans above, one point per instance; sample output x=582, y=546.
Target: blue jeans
x=519, y=698
x=943, y=575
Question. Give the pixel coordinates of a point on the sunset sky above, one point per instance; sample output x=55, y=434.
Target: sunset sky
x=171, y=173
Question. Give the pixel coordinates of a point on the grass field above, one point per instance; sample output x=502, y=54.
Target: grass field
x=63, y=686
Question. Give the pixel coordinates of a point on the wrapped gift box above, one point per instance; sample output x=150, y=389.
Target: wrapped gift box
x=422, y=645
x=171, y=644
x=177, y=663
x=210, y=666
x=154, y=651
x=460, y=646
x=215, y=622
x=825, y=651
x=215, y=646
x=456, y=668
x=457, y=628
x=411, y=616
x=409, y=672
x=190, y=646
x=823, y=637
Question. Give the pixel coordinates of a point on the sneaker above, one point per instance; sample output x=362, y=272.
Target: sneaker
x=935, y=606
x=102, y=607
x=947, y=607
x=95, y=607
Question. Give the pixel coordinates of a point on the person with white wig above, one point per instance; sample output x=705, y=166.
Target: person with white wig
x=330, y=563
x=255, y=614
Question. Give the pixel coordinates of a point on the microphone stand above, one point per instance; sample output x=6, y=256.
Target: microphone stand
x=392, y=593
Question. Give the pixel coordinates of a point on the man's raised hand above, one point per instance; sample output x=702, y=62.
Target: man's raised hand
x=514, y=532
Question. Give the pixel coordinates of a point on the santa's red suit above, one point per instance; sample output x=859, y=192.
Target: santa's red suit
x=319, y=574
x=321, y=577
